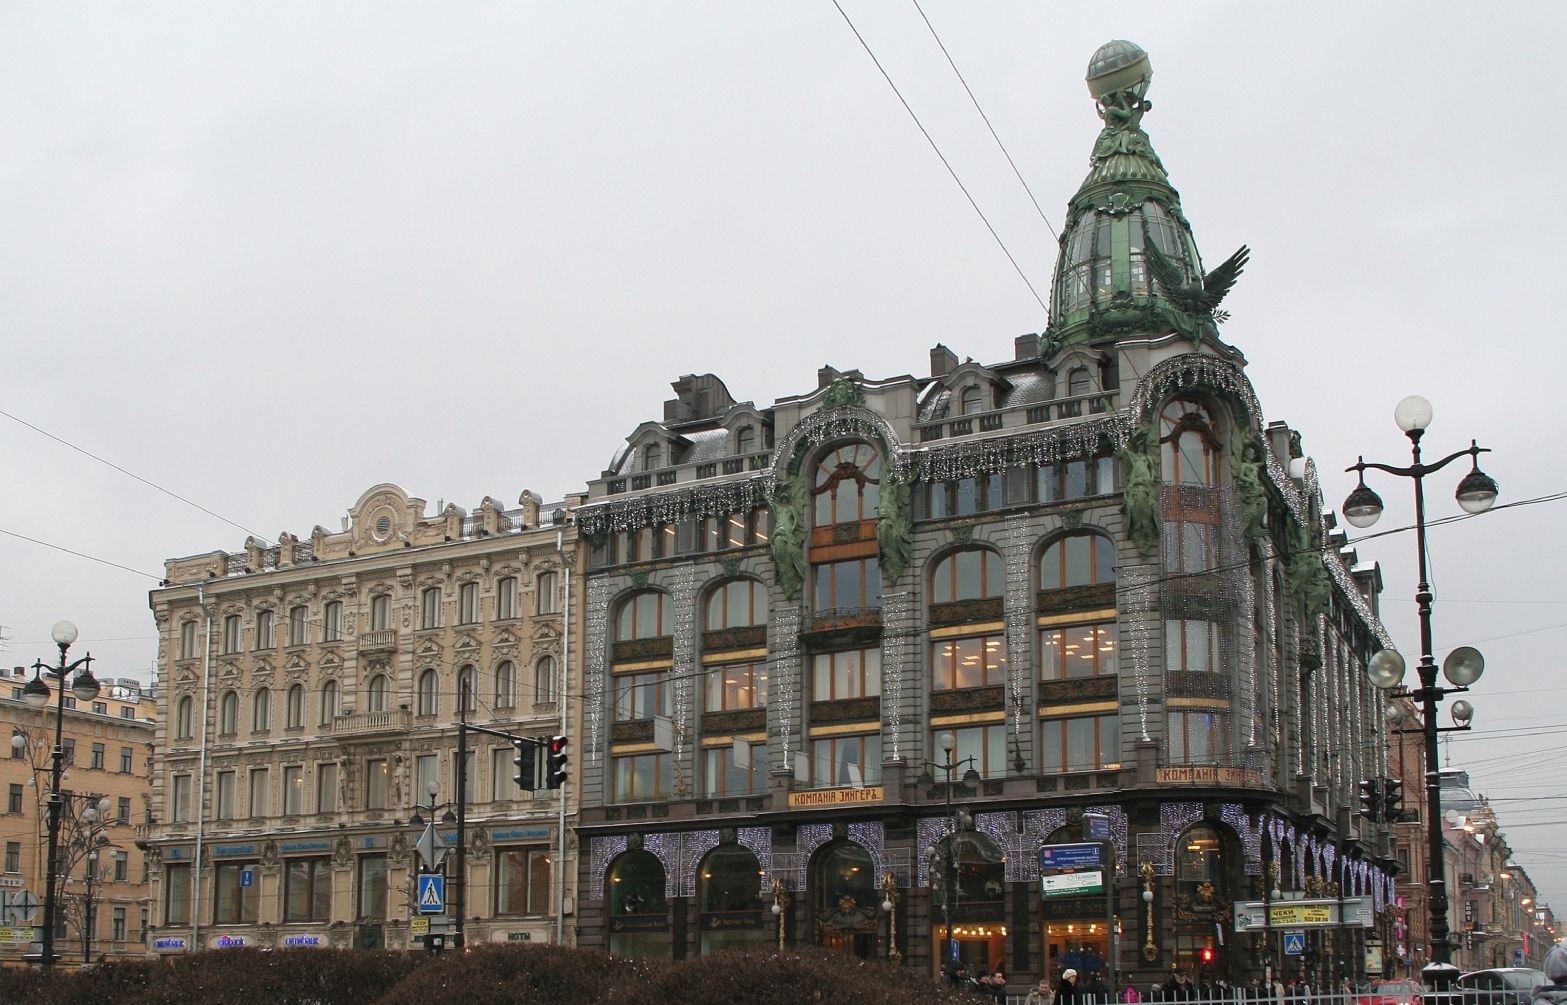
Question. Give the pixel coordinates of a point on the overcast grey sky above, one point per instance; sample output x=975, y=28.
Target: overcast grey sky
x=268, y=255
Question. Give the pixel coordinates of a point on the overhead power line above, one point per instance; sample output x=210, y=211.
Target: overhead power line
x=945, y=163
x=78, y=554
x=129, y=474
x=981, y=111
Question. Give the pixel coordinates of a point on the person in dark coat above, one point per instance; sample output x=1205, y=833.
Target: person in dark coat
x=1554, y=993
x=1098, y=990
x=1178, y=988
x=1067, y=992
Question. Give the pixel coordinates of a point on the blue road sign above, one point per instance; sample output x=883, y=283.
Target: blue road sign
x=1096, y=826
x=247, y=877
x=432, y=893
x=1070, y=856
x=1294, y=943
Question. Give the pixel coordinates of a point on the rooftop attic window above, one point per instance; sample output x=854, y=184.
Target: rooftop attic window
x=972, y=400
x=652, y=457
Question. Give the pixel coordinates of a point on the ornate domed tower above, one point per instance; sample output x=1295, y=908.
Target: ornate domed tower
x=1128, y=263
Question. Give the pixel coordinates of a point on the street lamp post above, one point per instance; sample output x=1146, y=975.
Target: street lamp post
x=36, y=694
x=1462, y=667
x=95, y=817
x=949, y=765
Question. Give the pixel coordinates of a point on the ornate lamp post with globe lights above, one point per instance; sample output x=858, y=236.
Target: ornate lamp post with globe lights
x=36, y=694
x=1462, y=667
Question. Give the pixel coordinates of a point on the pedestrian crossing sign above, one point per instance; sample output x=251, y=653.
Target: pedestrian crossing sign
x=432, y=893
x=1294, y=943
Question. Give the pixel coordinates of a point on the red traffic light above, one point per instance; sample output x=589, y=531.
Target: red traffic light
x=1205, y=955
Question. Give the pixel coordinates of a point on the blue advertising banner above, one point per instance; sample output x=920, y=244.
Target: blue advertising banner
x=1071, y=856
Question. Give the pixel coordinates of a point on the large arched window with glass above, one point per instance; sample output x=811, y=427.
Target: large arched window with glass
x=739, y=603
x=1082, y=559
x=645, y=615
x=429, y=693
x=635, y=890
x=968, y=890
x=378, y=695
x=844, y=898
x=1202, y=896
x=1188, y=444
x=845, y=484
x=970, y=574
x=729, y=898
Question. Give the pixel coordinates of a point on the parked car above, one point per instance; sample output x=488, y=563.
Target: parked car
x=1502, y=986
x=1392, y=993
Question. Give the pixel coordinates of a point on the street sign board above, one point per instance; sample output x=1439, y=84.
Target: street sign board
x=1358, y=912
x=418, y=926
x=1072, y=884
x=1071, y=856
x=1294, y=943
x=432, y=893
x=247, y=877
x=432, y=850
x=19, y=908
x=1096, y=826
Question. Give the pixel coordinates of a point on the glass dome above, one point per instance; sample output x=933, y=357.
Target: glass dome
x=1117, y=64
x=1092, y=268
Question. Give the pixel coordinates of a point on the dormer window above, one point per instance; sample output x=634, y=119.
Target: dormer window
x=1077, y=382
x=745, y=440
x=972, y=400
x=652, y=457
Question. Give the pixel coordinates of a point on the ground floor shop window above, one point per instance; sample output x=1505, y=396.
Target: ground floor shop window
x=307, y=889
x=522, y=881
x=729, y=896
x=235, y=899
x=638, y=912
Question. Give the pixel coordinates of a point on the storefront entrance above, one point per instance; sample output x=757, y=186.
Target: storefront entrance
x=845, y=901
x=1083, y=946
x=638, y=912
x=729, y=898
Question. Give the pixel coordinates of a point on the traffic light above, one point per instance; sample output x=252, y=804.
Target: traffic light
x=527, y=762
x=1205, y=956
x=1371, y=804
x=1392, y=800
x=555, y=762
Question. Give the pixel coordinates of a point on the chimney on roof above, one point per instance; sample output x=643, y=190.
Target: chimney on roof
x=942, y=361
x=1025, y=347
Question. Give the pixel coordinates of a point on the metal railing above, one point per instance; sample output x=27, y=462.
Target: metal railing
x=1360, y=993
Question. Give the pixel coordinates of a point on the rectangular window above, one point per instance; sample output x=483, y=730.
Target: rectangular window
x=376, y=778
x=722, y=776
x=127, y=764
x=117, y=925
x=264, y=639
x=643, y=777
x=233, y=902
x=1194, y=545
x=124, y=810
x=846, y=760
x=1078, y=651
x=1017, y=487
x=506, y=598
x=852, y=585
x=127, y=712
x=68, y=745
x=13, y=856
x=547, y=593
x=853, y=673
x=503, y=784
x=176, y=894
x=1191, y=646
x=298, y=625
x=141, y=932
x=468, y=604
x=1075, y=482
x=1046, y=487
x=13, y=803
x=99, y=757
x=1197, y=738
x=260, y=801
x=225, y=795
x=522, y=881
x=983, y=748
x=380, y=612
x=100, y=708
x=372, y=886
x=122, y=867
x=470, y=775
x=231, y=634
x=307, y=889
x=1081, y=744
x=736, y=686
x=641, y=695
x=18, y=753
x=426, y=773
x=976, y=662
x=332, y=622
x=1105, y=480
x=326, y=788
x=181, y=787
x=939, y=501
x=187, y=640
x=293, y=789
x=430, y=608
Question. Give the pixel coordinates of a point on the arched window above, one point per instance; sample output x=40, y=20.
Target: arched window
x=506, y=684
x=729, y=882
x=845, y=898
x=645, y=615
x=544, y=679
x=1077, y=382
x=261, y=712
x=972, y=400
x=970, y=574
x=294, y=707
x=736, y=604
x=379, y=694
x=745, y=440
x=652, y=457
x=329, y=702
x=979, y=874
x=429, y=693
x=846, y=483
x=636, y=890
x=1086, y=559
x=1202, y=890
x=182, y=718
x=430, y=608
x=467, y=689
x=1188, y=448
x=228, y=714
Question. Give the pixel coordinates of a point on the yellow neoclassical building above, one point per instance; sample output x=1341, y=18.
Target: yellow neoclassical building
x=310, y=705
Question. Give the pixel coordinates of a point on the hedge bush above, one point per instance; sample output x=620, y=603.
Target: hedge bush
x=809, y=977
x=520, y=975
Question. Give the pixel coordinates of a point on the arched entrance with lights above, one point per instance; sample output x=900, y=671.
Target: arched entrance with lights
x=1075, y=929
x=729, y=900
x=638, y=911
x=974, y=879
x=1204, y=919
x=845, y=899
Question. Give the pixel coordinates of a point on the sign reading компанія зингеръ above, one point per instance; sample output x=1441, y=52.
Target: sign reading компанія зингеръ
x=835, y=797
